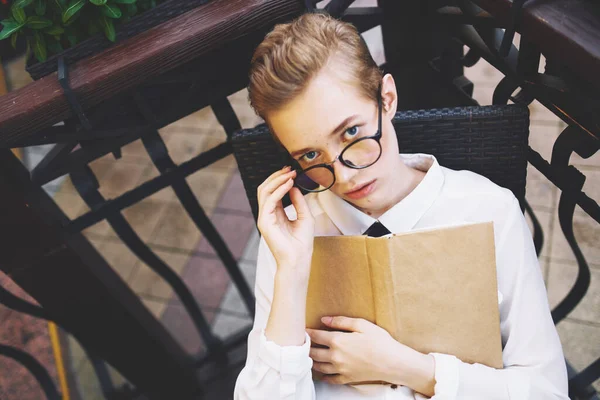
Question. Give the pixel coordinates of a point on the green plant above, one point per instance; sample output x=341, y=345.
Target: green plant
x=50, y=26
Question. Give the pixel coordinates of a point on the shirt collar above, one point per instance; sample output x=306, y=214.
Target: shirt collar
x=403, y=216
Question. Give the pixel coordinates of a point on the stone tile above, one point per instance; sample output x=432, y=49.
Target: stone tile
x=545, y=218
x=591, y=186
x=235, y=230
x=241, y=105
x=166, y=195
x=101, y=229
x=184, y=145
x=119, y=176
x=249, y=272
x=202, y=119
x=581, y=344
x=16, y=75
x=587, y=232
x=374, y=39
x=88, y=382
x=176, y=229
x=77, y=354
x=208, y=186
x=483, y=94
x=483, y=74
x=234, y=197
x=226, y=163
x=70, y=203
x=120, y=258
x=178, y=322
x=542, y=137
x=251, y=252
x=134, y=150
x=207, y=279
x=540, y=192
x=144, y=216
x=560, y=281
x=593, y=161
x=147, y=282
x=156, y=307
x=226, y=325
x=537, y=112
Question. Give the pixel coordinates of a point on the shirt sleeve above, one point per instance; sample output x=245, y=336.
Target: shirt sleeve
x=272, y=372
x=534, y=365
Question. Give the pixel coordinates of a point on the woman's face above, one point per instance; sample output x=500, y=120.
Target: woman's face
x=317, y=125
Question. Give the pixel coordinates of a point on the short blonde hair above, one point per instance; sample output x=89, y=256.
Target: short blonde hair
x=294, y=53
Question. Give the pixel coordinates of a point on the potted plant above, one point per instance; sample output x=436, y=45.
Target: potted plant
x=77, y=29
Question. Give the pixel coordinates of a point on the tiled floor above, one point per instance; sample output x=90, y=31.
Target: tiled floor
x=163, y=223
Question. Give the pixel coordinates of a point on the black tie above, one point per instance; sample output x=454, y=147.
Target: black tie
x=377, y=230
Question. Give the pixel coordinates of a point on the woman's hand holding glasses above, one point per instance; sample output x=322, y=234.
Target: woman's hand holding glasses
x=291, y=242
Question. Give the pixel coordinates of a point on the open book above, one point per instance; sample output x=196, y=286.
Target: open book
x=433, y=290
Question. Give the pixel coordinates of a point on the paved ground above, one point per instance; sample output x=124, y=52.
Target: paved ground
x=165, y=226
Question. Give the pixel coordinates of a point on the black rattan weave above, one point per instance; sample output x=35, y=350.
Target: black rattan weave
x=140, y=23
x=491, y=141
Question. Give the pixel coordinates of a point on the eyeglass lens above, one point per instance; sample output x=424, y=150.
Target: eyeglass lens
x=359, y=154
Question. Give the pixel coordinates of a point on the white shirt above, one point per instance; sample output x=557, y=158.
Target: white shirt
x=534, y=366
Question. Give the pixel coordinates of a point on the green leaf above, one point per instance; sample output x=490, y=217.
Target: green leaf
x=22, y=3
x=55, y=47
x=36, y=22
x=13, y=40
x=109, y=29
x=98, y=2
x=9, y=27
x=111, y=11
x=54, y=30
x=39, y=46
x=94, y=27
x=125, y=1
x=40, y=7
x=73, y=8
x=60, y=5
x=72, y=38
x=131, y=9
x=18, y=14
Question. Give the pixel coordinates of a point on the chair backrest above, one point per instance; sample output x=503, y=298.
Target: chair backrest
x=489, y=140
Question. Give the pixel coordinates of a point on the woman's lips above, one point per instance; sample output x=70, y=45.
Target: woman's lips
x=362, y=192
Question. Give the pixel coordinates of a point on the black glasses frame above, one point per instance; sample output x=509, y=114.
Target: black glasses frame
x=376, y=137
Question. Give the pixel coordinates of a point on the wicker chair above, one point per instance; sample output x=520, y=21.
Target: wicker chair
x=490, y=140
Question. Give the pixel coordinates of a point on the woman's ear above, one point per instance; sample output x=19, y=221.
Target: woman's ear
x=389, y=96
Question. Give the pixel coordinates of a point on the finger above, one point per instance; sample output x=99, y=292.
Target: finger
x=300, y=204
x=321, y=337
x=275, y=174
x=347, y=324
x=273, y=200
x=320, y=355
x=269, y=187
x=324, y=367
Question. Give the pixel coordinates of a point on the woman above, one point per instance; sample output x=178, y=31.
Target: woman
x=316, y=85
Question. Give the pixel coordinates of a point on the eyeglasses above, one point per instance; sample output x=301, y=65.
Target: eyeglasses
x=360, y=154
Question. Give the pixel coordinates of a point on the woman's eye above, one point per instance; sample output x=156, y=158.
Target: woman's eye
x=310, y=156
x=351, y=132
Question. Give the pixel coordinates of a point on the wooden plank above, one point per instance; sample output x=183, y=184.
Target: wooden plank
x=567, y=31
x=138, y=60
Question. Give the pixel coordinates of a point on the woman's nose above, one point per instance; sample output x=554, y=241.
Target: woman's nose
x=342, y=173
